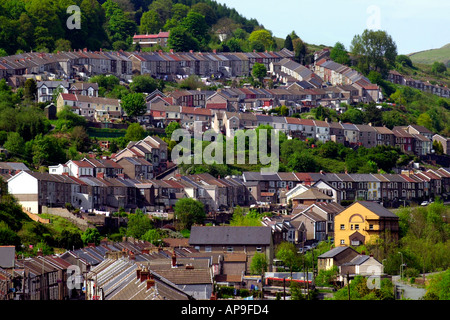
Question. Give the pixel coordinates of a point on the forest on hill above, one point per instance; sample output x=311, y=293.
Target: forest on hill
x=41, y=25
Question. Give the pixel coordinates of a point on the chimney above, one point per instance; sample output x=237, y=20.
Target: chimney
x=214, y=51
x=174, y=259
x=144, y=275
x=101, y=175
x=85, y=49
x=121, y=175
x=150, y=283
x=138, y=273
x=171, y=50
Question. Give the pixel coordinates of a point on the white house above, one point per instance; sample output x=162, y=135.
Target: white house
x=58, y=169
x=35, y=190
x=79, y=168
x=46, y=89
x=298, y=189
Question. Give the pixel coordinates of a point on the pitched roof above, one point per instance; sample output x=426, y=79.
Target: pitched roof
x=376, y=208
x=225, y=235
x=334, y=252
x=313, y=193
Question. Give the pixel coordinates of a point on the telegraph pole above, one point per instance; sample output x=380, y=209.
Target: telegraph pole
x=348, y=286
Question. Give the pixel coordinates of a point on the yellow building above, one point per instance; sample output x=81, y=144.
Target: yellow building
x=363, y=222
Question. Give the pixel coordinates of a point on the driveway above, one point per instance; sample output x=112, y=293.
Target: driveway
x=409, y=292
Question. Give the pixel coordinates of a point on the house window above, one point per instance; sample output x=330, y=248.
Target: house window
x=356, y=226
x=370, y=226
x=208, y=249
x=342, y=227
x=342, y=241
x=230, y=249
x=259, y=249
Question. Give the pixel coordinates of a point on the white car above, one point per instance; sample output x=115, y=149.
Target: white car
x=425, y=203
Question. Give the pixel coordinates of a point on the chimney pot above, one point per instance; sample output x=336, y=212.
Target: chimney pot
x=150, y=283
x=174, y=259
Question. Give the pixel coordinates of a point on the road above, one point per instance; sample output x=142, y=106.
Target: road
x=409, y=292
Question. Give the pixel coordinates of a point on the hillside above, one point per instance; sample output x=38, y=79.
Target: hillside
x=111, y=24
x=429, y=56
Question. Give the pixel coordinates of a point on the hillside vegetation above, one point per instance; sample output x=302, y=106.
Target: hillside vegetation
x=430, y=56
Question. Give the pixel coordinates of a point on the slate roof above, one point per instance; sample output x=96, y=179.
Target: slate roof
x=356, y=261
x=313, y=193
x=225, y=235
x=376, y=208
x=7, y=255
x=334, y=252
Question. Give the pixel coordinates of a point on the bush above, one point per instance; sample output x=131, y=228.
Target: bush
x=412, y=273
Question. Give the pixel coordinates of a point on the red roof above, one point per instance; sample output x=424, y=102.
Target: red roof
x=193, y=110
x=216, y=106
x=69, y=96
x=152, y=36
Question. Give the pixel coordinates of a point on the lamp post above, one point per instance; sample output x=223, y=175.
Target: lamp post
x=401, y=267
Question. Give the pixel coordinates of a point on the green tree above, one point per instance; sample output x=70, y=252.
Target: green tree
x=189, y=211
x=30, y=89
x=144, y=84
x=171, y=127
x=80, y=138
x=425, y=120
x=339, y=54
x=118, y=26
x=438, y=67
x=259, y=71
x=376, y=49
x=68, y=120
x=15, y=144
x=303, y=162
x=138, y=224
x=134, y=104
x=91, y=235
x=288, y=43
x=206, y=11
x=263, y=36
x=287, y=252
x=181, y=40
x=300, y=50
x=197, y=26
x=179, y=11
x=352, y=115
x=135, y=132
x=162, y=7
x=153, y=236
x=150, y=22
x=47, y=150
x=258, y=266
x=404, y=60
x=63, y=45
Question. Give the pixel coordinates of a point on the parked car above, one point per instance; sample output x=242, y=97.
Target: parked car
x=424, y=203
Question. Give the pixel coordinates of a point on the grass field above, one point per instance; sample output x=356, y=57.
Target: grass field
x=430, y=56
